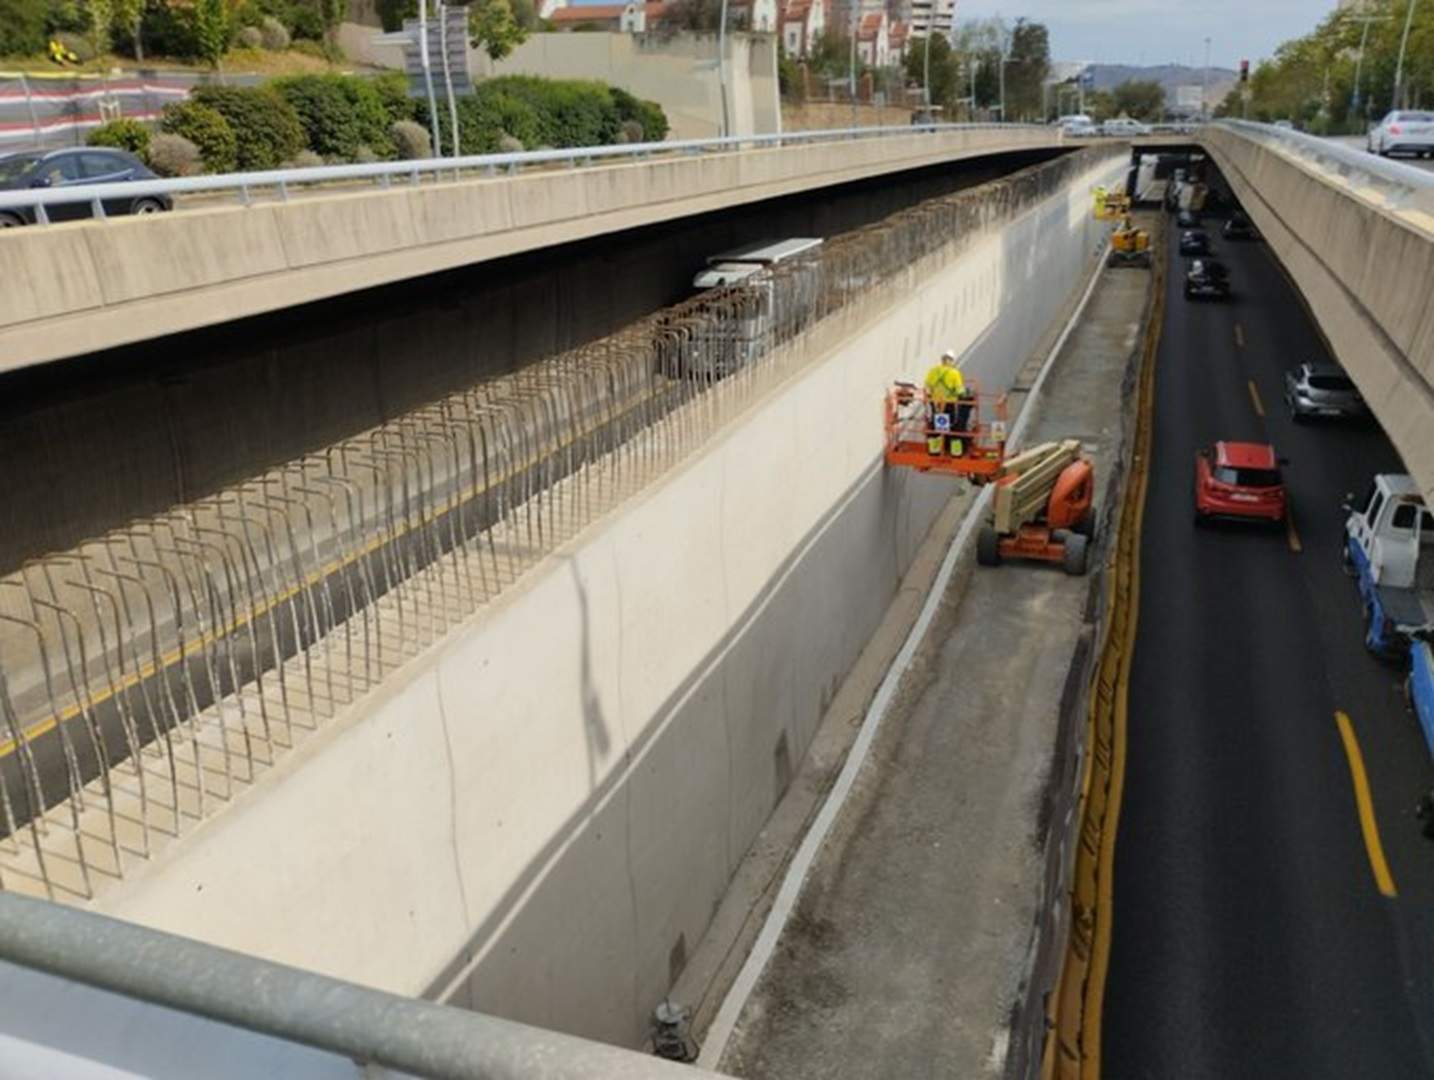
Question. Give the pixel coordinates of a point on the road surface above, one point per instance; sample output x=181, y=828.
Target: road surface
x=1250, y=938
x=1359, y=142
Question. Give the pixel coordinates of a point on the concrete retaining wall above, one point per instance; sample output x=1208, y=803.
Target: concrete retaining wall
x=538, y=818
x=1365, y=275
x=85, y=286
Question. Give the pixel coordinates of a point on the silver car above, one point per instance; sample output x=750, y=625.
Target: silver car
x=1313, y=390
x=1403, y=132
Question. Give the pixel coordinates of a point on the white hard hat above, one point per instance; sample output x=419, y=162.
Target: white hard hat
x=948, y=357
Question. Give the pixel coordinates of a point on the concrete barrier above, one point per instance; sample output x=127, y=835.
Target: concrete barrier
x=539, y=817
x=1364, y=272
x=93, y=285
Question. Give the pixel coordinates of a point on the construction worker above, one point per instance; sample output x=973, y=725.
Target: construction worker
x=945, y=391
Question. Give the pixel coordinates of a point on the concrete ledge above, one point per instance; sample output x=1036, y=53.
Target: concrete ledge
x=1365, y=275
x=90, y=285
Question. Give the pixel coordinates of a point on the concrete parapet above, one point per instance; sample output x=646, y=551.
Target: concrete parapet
x=1365, y=271
x=87, y=286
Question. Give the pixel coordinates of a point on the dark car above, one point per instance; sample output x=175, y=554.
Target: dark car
x=1239, y=228
x=71, y=168
x=1187, y=219
x=1207, y=279
x=1194, y=242
x=1322, y=390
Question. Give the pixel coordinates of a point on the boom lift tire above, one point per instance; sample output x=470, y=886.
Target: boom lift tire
x=988, y=547
x=1077, y=555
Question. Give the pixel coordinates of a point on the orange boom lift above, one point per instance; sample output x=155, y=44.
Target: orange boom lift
x=1043, y=495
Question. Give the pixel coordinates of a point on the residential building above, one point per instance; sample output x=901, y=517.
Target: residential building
x=928, y=16
x=802, y=23
x=633, y=17
x=754, y=16
x=898, y=37
x=873, y=42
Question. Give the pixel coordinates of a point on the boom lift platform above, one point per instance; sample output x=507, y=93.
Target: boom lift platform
x=1129, y=246
x=1043, y=495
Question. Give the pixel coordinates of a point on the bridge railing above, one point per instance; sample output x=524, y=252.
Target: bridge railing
x=1397, y=181
x=75, y=985
x=280, y=183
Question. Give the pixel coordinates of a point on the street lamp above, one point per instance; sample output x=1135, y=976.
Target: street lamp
x=1398, y=102
x=722, y=67
x=1205, y=85
x=1368, y=20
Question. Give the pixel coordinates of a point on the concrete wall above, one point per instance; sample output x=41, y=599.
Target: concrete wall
x=676, y=70
x=85, y=286
x=1365, y=274
x=539, y=817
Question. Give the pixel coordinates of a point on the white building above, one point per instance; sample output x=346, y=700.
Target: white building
x=924, y=16
x=803, y=22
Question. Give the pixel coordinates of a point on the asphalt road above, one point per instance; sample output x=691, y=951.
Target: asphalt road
x=1250, y=938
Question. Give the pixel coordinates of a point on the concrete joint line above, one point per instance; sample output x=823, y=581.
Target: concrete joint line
x=720, y=1032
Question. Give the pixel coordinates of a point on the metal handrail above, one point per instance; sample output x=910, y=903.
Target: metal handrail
x=1345, y=160
x=367, y=1026
x=385, y=172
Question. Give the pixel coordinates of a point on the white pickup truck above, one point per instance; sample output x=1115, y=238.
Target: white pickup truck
x=1389, y=548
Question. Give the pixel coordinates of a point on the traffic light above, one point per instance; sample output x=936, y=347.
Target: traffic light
x=1244, y=71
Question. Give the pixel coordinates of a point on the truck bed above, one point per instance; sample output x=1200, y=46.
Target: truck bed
x=1407, y=607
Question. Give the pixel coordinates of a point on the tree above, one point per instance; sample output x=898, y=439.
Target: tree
x=945, y=69
x=100, y=15
x=211, y=30
x=695, y=15
x=1030, y=63
x=130, y=15
x=1100, y=105
x=1140, y=99
x=494, y=28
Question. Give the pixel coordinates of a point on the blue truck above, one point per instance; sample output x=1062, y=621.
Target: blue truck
x=1420, y=690
x=1389, y=549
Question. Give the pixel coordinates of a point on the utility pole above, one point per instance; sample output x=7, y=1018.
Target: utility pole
x=1205, y=85
x=852, y=68
x=1398, y=102
x=428, y=76
x=722, y=67
x=926, y=70
x=1368, y=21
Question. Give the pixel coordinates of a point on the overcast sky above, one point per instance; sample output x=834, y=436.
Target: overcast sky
x=1160, y=31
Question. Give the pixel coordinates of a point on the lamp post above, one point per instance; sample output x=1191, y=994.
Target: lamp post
x=1205, y=85
x=1368, y=20
x=1398, y=102
x=428, y=76
x=722, y=67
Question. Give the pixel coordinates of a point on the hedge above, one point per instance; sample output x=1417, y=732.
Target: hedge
x=22, y=26
x=122, y=134
x=339, y=114
x=207, y=129
x=266, y=127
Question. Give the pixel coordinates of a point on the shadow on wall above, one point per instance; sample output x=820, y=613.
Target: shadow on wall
x=595, y=726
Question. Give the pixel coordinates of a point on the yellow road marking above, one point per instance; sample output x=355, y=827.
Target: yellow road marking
x=149, y=667
x=1255, y=398
x=1291, y=533
x=1240, y=335
x=1382, y=877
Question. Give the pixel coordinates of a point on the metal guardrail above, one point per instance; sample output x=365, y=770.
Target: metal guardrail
x=371, y=1028
x=385, y=173
x=151, y=675
x=1346, y=161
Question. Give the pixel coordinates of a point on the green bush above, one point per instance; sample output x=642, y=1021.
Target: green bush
x=304, y=159
x=307, y=47
x=77, y=44
x=274, y=34
x=122, y=134
x=173, y=155
x=411, y=141
x=22, y=27
x=339, y=114
x=392, y=89
x=249, y=37
x=265, y=126
x=207, y=129
x=648, y=114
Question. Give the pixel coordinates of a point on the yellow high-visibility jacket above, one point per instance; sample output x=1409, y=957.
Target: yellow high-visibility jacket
x=944, y=384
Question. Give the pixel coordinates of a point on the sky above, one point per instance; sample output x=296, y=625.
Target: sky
x=1149, y=32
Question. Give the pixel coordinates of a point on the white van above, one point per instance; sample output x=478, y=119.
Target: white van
x=770, y=303
x=1076, y=125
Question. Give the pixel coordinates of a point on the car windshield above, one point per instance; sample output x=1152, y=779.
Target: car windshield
x=14, y=166
x=1414, y=117
x=1250, y=478
x=1330, y=382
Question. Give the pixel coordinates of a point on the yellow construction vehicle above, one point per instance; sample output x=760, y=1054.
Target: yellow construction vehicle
x=1129, y=246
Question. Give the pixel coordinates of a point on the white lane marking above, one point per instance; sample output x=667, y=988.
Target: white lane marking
x=720, y=1031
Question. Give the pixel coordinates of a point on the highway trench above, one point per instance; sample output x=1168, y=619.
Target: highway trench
x=1250, y=933
x=186, y=682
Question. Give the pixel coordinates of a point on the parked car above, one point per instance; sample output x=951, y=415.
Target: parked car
x=1123, y=127
x=1187, y=219
x=1207, y=279
x=1285, y=125
x=1194, y=242
x=1239, y=227
x=70, y=168
x=1403, y=132
x=1240, y=481
x=1313, y=390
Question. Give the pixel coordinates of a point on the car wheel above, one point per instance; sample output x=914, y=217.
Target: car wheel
x=1077, y=555
x=10, y=221
x=147, y=206
x=988, y=547
x=1346, y=561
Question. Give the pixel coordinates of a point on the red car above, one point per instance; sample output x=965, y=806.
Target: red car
x=1239, y=480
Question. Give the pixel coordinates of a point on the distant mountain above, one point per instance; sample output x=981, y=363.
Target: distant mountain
x=1170, y=76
